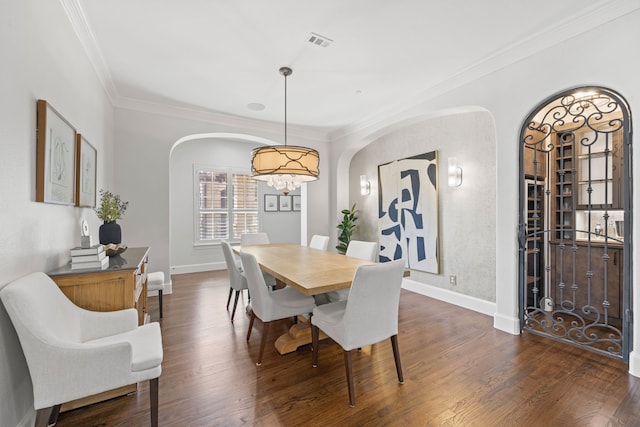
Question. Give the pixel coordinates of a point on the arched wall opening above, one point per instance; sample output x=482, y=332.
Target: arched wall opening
x=228, y=151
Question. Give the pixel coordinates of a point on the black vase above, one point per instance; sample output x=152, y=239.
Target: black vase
x=110, y=232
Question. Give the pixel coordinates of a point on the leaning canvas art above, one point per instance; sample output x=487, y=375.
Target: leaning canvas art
x=408, y=211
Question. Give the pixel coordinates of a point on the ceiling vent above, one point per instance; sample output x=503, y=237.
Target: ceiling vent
x=319, y=40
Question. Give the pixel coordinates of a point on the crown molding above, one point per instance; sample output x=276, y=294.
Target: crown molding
x=572, y=26
x=78, y=20
x=223, y=120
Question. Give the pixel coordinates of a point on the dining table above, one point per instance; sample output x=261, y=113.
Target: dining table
x=310, y=271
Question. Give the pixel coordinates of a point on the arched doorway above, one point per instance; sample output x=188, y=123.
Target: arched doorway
x=575, y=221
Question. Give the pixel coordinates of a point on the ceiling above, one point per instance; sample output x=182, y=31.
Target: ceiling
x=221, y=55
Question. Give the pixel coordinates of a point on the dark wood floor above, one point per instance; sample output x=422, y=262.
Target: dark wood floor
x=458, y=371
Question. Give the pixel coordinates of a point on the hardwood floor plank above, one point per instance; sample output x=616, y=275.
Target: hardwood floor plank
x=458, y=371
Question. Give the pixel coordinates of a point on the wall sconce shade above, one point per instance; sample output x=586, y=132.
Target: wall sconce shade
x=365, y=185
x=454, y=172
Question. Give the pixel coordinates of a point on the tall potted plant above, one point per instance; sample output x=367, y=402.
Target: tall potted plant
x=111, y=208
x=346, y=227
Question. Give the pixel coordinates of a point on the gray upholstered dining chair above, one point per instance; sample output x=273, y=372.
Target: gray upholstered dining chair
x=269, y=305
x=237, y=280
x=356, y=249
x=319, y=242
x=369, y=315
x=74, y=353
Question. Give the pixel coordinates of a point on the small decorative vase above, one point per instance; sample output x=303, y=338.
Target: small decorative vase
x=110, y=232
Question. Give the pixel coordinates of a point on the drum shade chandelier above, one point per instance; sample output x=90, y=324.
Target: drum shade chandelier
x=285, y=167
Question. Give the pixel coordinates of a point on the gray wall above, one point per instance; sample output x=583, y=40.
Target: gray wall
x=466, y=213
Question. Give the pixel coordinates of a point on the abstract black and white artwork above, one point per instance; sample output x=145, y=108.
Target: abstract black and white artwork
x=408, y=211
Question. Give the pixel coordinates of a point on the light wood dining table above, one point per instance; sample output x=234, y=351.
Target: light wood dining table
x=309, y=271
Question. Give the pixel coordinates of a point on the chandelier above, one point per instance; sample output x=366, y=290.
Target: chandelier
x=285, y=167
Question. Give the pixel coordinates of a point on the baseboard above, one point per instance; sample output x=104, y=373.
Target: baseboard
x=634, y=363
x=508, y=324
x=198, y=268
x=461, y=300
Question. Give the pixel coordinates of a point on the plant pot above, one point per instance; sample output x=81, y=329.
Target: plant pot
x=110, y=232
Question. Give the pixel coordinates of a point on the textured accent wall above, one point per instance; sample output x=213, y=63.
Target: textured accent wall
x=467, y=213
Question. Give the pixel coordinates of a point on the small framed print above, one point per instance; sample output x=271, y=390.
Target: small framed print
x=55, y=157
x=297, y=203
x=285, y=203
x=86, y=159
x=271, y=203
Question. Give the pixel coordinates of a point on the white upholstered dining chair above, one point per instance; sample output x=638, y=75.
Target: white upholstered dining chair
x=319, y=242
x=254, y=239
x=368, y=316
x=269, y=305
x=260, y=238
x=74, y=353
x=237, y=280
x=356, y=249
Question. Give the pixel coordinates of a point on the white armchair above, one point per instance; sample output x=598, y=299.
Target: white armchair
x=369, y=315
x=74, y=353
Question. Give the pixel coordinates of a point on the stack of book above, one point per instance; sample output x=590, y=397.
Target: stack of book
x=93, y=257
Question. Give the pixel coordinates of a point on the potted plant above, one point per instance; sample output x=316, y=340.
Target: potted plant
x=346, y=227
x=111, y=208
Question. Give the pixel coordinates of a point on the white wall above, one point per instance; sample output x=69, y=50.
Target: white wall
x=467, y=225
x=509, y=93
x=41, y=58
x=221, y=153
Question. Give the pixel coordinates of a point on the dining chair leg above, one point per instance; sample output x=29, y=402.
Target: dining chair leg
x=229, y=299
x=43, y=416
x=347, y=365
x=396, y=356
x=153, y=399
x=315, y=332
x=53, y=418
x=263, y=341
x=235, y=304
x=253, y=317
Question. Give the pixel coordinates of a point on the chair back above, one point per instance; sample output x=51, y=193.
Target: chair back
x=319, y=242
x=371, y=313
x=260, y=297
x=362, y=250
x=236, y=280
x=254, y=239
x=40, y=312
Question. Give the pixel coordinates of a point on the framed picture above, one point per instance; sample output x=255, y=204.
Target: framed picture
x=86, y=159
x=55, y=157
x=271, y=203
x=285, y=203
x=297, y=203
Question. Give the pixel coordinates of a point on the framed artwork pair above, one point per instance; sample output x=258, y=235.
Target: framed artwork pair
x=65, y=161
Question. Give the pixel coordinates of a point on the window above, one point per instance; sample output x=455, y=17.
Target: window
x=226, y=204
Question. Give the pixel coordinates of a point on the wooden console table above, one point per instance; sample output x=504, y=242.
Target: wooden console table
x=122, y=285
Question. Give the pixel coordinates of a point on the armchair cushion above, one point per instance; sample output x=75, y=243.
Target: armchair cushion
x=145, y=343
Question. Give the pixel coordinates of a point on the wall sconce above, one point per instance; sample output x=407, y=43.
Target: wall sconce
x=365, y=186
x=454, y=172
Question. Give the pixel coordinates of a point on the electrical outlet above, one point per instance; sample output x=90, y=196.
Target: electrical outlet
x=453, y=280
